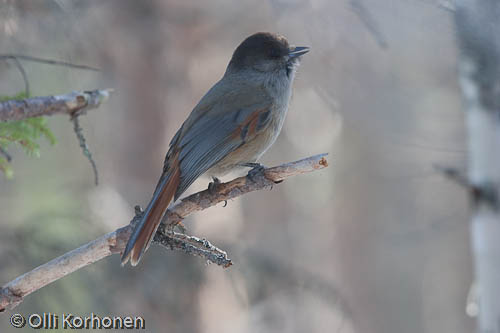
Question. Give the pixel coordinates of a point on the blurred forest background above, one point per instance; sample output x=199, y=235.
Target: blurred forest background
x=378, y=242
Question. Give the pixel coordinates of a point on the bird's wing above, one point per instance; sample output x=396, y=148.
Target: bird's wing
x=222, y=121
x=225, y=118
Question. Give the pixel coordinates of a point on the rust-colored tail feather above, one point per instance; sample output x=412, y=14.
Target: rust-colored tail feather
x=144, y=231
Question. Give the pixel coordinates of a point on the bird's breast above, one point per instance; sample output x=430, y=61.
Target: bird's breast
x=279, y=88
x=252, y=149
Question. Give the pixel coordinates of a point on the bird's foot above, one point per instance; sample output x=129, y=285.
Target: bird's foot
x=138, y=211
x=212, y=186
x=138, y=215
x=257, y=170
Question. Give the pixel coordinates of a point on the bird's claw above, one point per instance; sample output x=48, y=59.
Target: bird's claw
x=257, y=170
x=212, y=186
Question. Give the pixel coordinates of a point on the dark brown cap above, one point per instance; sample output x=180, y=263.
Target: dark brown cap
x=262, y=45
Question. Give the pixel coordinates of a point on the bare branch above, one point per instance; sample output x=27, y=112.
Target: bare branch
x=14, y=292
x=235, y=188
x=47, y=61
x=72, y=104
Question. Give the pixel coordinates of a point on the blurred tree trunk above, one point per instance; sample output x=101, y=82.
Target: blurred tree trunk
x=478, y=28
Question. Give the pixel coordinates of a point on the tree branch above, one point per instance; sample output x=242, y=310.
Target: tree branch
x=14, y=292
x=48, y=105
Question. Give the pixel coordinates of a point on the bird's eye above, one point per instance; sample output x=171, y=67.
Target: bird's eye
x=274, y=53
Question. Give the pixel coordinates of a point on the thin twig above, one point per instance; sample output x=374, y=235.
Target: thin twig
x=85, y=148
x=454, y=174
x=369, y=22
x=484, y=192
x=445, y=5
x=47, y=61
x=5, y=154
x=72, y=104
x=25, y=77
x=13, y=293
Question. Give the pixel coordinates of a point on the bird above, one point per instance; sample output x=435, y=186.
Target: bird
x=231, y=127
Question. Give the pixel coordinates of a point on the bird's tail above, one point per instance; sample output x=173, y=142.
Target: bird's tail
x=144, y=231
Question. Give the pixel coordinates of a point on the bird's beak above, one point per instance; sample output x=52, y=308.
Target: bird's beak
x=298, y=51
